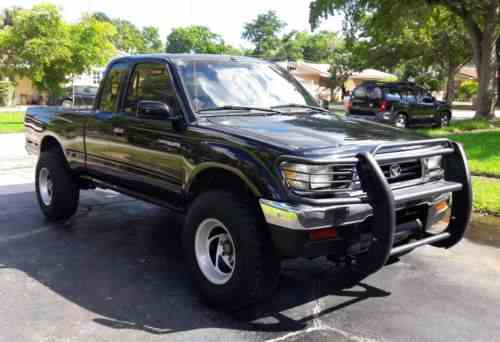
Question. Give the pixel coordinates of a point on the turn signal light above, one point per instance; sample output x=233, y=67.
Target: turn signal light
x=440, y=207
x=323, y=234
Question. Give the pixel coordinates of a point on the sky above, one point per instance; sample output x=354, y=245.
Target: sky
x=225, y=17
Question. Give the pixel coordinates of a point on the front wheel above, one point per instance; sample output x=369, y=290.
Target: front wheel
x=56, y=190
x=401, y=121
x=229, y=254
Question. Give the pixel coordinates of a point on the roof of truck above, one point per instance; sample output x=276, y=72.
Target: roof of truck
x=177, y=57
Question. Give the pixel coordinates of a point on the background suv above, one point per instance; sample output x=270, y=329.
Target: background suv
x=402, y=104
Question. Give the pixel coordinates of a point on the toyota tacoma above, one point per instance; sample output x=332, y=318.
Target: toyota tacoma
x=260, y=170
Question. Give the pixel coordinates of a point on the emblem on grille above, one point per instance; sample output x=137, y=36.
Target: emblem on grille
x=395, y=170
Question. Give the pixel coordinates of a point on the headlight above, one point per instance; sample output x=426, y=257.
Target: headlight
x=433, y=167
x=307, y=177
x=433, y=163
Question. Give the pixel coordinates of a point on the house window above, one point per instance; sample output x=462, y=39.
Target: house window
x=96, y=77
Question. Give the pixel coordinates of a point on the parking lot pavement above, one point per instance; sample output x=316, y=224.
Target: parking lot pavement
x=115, y=272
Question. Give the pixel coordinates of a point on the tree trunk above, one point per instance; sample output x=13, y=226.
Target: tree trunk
x=487, y=66
x=450, y=84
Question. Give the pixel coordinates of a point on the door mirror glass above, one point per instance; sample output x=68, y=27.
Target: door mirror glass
x=153, y=110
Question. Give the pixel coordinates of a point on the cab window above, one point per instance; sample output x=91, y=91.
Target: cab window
x=150, y=82
x=111, y=87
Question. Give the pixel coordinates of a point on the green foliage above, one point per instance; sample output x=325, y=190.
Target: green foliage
x=151, y=40
x=198, y=39
x=299, y=45
x=129, y=38
x=344, y=62
x=467, y=90
x=416, y=41
x=39, y=45
x=264, y=33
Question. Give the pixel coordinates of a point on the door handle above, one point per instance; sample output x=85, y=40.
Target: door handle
x=118, y=131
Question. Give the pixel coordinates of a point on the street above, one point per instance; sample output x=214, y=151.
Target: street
x=115, y=272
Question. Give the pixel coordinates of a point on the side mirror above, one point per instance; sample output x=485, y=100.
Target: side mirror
x=429, y=99
x=154, y=110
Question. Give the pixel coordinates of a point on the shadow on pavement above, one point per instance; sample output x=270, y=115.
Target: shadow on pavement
x=121, y=260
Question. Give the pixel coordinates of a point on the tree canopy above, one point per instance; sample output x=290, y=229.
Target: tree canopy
x=39, y=45
x=198, y=39
x=264, y=32
x=438, y=35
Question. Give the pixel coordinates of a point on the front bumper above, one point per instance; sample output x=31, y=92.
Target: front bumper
x=380, y=210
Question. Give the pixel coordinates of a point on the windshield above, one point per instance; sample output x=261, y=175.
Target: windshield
x=217, y=84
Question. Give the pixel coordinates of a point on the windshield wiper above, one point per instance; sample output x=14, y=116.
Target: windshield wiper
x=247, y=108
x=294, y=105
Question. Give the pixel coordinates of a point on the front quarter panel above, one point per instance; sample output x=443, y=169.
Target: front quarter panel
x=241, y=157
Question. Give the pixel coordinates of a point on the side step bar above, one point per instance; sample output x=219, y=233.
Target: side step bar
x=422, y=242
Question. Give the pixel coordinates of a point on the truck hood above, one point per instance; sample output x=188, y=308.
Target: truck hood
x=309, y=133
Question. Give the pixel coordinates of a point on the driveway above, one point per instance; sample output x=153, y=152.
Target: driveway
x=115, y=272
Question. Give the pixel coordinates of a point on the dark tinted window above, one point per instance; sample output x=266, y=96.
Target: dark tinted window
x=374, y=93
x=392, y=94
x=111, y=87
x=150, y=82
x=359, y=92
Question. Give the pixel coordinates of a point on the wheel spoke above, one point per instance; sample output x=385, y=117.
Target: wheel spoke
x=215, y=251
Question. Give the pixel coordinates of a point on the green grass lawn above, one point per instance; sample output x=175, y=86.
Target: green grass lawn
x=481, y=140
x=11, y=122
x=486, y=194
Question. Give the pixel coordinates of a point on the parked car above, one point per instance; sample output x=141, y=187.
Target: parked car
x=261, y=171
x=403, y=104
x=78, y=96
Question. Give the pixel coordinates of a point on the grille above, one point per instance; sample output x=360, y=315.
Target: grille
x=342, y=177
x=403, y=171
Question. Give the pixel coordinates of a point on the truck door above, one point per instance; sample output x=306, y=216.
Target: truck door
x=147, y=151
x=99, y=130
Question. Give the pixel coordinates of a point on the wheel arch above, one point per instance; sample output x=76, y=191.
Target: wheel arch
x=214, y=175
x=50, y=142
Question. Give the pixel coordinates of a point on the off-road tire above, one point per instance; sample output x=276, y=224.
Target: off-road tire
x=65, y=191
x=257, y=265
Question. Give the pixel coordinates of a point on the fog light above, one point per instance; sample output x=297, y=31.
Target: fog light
x=441, y=218
x=323, y=234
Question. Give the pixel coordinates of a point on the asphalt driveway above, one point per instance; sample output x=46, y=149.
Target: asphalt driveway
x=115, y=272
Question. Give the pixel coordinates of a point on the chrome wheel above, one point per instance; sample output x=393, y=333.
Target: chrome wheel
x=445, y=120
x=67, y=103
x=215, y=251
x=45, y=185
x=400, y=121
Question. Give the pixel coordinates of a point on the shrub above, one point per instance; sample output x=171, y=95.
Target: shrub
x=467, y=90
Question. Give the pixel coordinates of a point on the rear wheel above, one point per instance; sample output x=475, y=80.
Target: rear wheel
x=229, y=254
x=401, y=120
x=56, y=191
x=444, y=119
x=66, y=103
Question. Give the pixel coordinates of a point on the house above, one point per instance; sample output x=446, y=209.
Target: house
x=316, y=78
x=26, y=93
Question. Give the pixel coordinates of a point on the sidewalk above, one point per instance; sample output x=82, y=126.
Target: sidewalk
x=16, y=166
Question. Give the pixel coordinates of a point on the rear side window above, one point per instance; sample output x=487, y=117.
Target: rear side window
x=392, y=94
x=374, y=93
x=150, y=82
x=359, y=92
x=111, y=87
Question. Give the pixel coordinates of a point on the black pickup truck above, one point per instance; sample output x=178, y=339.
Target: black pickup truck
x=260, y=170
